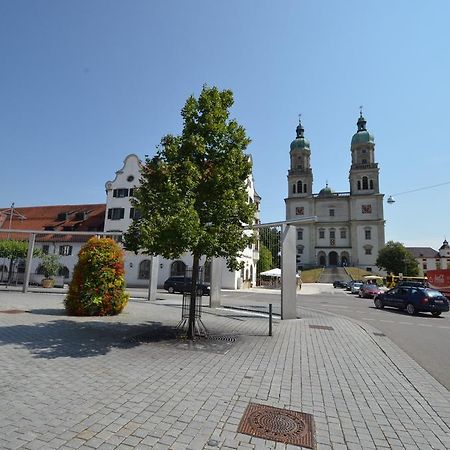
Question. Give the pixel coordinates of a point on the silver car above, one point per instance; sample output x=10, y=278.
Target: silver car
x=355, y=288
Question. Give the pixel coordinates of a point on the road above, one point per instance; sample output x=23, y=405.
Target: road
x=423, y=337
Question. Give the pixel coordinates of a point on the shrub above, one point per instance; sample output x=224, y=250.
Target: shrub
x=98, y=284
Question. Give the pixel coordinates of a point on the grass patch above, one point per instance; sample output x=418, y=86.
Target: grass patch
x=311, y=275
x=358, y=274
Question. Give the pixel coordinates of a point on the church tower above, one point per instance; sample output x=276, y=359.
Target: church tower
x=300, y=175
x=364, y=171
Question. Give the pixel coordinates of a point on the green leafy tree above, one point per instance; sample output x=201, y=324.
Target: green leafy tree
x=14, y=250
x=270, y=238
x=395, y=258
x=265, y=259
x=193, y=195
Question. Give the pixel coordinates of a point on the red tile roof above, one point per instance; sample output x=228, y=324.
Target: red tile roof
x=57, y=217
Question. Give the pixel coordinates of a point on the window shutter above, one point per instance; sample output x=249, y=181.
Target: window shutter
x=122, y=213
x=109, y=213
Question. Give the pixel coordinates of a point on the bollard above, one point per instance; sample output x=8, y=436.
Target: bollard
x=270, y=319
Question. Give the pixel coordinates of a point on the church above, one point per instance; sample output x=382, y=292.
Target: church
x=349, y=230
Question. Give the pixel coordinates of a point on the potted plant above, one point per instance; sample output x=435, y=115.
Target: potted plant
x=49, y=266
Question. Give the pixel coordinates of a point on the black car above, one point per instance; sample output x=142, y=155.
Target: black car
x=413, y=299
x=339, y=284
x=182, y=284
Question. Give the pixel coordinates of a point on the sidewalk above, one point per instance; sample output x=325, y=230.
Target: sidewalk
x=112, y=382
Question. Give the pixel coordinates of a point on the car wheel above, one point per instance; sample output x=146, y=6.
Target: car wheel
x=379, y=303
x=171, y=290
x=410, y=309
x=436, y=313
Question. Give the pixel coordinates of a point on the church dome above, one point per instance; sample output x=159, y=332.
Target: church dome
x=326, y=192
x=300, y=142
x=362, y=136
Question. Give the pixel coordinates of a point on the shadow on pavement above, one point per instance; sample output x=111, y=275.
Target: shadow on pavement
x=70, y=339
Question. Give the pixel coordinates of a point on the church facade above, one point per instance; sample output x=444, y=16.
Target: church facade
x=349, y=230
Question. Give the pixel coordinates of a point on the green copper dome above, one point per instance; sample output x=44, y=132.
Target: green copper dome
x=300, y=142
x=326, y=192
x=362, y=135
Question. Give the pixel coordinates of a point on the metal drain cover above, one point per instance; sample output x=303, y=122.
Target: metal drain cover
x=321, y=327
x=276, y=424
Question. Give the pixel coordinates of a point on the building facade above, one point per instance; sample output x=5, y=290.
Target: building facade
x=429, y=259
x=350, y=225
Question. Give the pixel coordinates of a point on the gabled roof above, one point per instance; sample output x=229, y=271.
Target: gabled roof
x=423, y=252
x=90, y=217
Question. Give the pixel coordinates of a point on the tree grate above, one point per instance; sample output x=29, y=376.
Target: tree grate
x=12, y=311
x=321, y=327
x=280, y=425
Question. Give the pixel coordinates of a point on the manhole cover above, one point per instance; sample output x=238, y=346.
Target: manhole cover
x=12, y=311
x=321, y=327
x=276, y=424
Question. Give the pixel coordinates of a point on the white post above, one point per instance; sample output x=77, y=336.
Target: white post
x=26, y=279
x=153, y=280
x=216, y=282
x=288, y=272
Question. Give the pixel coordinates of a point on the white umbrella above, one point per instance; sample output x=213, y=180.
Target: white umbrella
x=272, y=273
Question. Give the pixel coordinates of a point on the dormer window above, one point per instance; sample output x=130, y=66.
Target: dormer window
x=62, y=216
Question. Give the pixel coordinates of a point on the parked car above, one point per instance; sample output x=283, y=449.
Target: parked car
x=355, y=287
x=369, y=290
x=182, y=284
x=339, y=284
x=413, y=299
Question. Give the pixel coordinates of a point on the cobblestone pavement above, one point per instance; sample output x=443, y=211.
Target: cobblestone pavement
x=121, y=382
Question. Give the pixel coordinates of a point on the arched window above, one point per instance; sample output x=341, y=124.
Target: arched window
x=63, y=272
x=144, y=270
x=177, y=269
x=299, y=186
x=371, y=184
x=304, y=188
x=359, y=185
x=251, y=272
x=293, y=188
x=365, y=183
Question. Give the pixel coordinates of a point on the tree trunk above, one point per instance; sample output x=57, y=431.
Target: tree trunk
x=195, y=271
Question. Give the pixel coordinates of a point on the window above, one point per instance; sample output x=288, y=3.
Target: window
x=368, y=234
x=45, y=249
x=131, y=192
x=130, y=178
x=321, y=233
x=63, y=272
x=135, y=214
x=293, y=188
x=331, y=212
x=178, y=268
x=371, y=184
x=343, y=233
x=120, y=193
x=305, y=188
x=116, y=213
x=425, y=267
x=332, y=234
x=365, y=183
x=144, y=270
x=368, y=250
x=359, y=185
x=65, y=250
x=299, y=186
x=300, y=249
x=300, y=234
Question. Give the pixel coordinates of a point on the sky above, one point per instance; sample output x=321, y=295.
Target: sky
x=85, y=83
